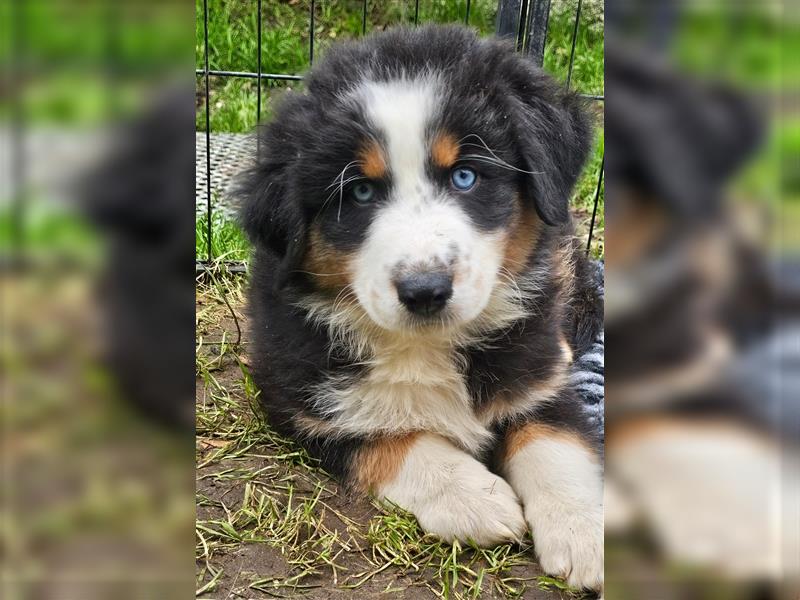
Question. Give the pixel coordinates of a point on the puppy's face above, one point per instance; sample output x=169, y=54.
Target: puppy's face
x=419, y=190
x=420, y=214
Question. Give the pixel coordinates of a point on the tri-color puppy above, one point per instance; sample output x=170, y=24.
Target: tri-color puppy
x=417, y=295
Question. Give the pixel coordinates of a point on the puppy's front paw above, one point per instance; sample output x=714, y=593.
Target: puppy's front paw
x=568, y=542
x=454, y=496
x=476, y=505
x=559, y=480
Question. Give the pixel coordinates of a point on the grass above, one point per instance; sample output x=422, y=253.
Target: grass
x=50, y=235
x=259, y=492
x=228, y=242
x=91, y=62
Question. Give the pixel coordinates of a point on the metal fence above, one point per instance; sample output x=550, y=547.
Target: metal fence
x=524, y=21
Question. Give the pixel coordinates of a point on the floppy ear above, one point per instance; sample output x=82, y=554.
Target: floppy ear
x=270, y=213
x=553, y=137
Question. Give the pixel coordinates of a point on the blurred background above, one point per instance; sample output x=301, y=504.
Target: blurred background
x=96, y=217
x=702, y=281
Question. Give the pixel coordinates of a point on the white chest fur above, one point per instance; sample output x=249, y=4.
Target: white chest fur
x=408, y=386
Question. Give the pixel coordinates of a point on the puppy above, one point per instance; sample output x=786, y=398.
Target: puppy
x=417, y=295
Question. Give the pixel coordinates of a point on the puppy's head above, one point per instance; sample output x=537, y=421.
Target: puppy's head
x=416, y=173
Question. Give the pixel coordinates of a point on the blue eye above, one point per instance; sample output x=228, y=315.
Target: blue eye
x=463, y=178
x=363, y=192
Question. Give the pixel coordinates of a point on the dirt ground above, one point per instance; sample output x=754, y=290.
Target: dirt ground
x=271, y=524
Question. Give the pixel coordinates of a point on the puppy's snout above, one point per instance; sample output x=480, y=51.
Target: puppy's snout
x=425, y=293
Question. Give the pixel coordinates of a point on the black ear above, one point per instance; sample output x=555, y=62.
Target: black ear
x=553, y=137
x=271, y=214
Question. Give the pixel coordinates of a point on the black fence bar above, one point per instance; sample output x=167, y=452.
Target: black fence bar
x=574, y=40
x=310, y=33
x=364, y=19
x=596, y=201
x=210, y=252
x=258, y=65
x=466, y=15
x=521, y=24
x=248, y=75
x=507, y=21
x=538, y=14
x=416, y=12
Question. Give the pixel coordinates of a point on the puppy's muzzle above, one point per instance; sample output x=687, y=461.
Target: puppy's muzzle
x=425, y=294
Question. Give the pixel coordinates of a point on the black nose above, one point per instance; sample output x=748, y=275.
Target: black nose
x=425, y=293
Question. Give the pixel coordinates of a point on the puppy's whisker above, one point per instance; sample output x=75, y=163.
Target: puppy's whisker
x=482, y=144
x=339, y=184
x=341, y=173
x=340, y=188
x=516, y=263
x=500, y=163
x=322, y=274
x=509, y=277
x=512, y=282
x=347, y=290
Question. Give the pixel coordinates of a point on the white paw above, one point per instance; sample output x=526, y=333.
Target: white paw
x=454, y=496
x=568, y=542
x=559, y=480
x=480, y=507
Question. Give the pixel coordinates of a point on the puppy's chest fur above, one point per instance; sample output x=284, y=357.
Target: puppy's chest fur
x=428, y=386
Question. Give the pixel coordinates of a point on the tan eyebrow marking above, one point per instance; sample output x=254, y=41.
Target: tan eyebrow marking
x=444, y=150
x=372, y=162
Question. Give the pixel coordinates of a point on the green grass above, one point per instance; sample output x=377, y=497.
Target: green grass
x=228, y=242
x=747, y=45
x=90, y=62
x=587, y=71
x=738, y=42
x=50, y=234
x=93, y=35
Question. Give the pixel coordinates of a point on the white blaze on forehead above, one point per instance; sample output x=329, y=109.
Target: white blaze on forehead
x=401, y=110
